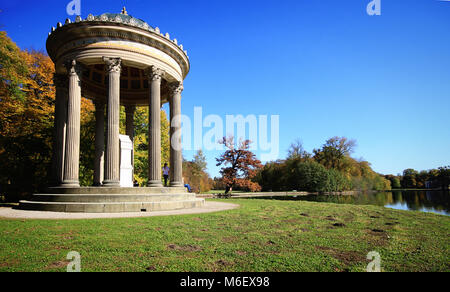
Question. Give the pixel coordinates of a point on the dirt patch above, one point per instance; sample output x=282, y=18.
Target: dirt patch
x=67, y=236
x=291, y=221
x=241, y=253
x=189, y=247
x=58, y=265
x=377, y=237
x=391, y=223
x=345, y=257
x=197, y=219
x=378, y=231
x=224, y=263
x=9, y=264
x=330, y=218
x=228, y=239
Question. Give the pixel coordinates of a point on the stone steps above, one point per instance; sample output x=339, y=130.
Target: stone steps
x=110, y=198
x=110, y=207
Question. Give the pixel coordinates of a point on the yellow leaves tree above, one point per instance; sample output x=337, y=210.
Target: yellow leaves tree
x=27, y=98
x=141, y=119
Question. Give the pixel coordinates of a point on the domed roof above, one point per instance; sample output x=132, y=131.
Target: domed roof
x=122, y=17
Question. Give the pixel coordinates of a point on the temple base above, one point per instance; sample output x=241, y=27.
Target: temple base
x=112, y=200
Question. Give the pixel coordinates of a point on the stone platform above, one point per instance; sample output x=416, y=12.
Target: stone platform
x=112, y=200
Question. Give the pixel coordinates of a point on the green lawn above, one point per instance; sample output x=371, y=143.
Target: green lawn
x=260, y=236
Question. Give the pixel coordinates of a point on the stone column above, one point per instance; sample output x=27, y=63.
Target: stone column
x=61, y=83
x=176, y=155
x=129, y=111
x=112, y=157
x=154, y=150
x=72, y=149
x=99, y=166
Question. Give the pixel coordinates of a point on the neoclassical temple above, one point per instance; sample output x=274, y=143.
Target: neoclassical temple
x=114, y=59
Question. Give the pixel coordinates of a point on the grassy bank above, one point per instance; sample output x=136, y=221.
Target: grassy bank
x=260, y=236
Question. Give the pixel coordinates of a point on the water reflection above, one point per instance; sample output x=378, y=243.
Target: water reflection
x=424, y=201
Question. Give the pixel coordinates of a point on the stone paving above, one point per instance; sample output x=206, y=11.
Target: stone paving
x=209, y=207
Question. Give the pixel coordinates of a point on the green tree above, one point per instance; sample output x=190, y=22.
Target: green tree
x=395, y=181
x=141, y=120
x=296, y=150
x=409, y=180
x=444, y=177
x=13, y=68
x=334, y=151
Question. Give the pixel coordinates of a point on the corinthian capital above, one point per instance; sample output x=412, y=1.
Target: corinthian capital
x=154, y=73
x=176, y=88
x=113, y=65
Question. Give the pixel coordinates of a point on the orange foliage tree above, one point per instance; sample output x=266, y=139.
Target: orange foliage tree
x=27, y=98
x=240, y=166
x=195, y=174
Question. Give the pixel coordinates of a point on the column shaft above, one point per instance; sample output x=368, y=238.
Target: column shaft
x=176, y=155
x=72, y=148
x=61, y=84
x=154, y=149
x=99, y=143
x=112, y=157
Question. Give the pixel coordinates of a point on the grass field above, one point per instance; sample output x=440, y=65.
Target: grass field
x=260, y=236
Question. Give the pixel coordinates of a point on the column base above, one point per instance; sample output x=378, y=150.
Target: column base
x=70, y=184
x=155, y=184
x=111, y=184
x=176, y=184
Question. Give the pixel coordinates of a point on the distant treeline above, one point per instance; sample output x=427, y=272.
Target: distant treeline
x=328, y=169
x=425, y=179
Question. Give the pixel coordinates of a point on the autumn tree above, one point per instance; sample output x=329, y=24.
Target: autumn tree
x=240, y=165
x=26, y=119
x=27, y=98
x=195, y=173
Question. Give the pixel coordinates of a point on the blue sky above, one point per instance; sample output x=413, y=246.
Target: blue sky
x=325, y=67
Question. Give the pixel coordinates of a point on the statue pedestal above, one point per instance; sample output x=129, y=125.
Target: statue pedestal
x=126, y=166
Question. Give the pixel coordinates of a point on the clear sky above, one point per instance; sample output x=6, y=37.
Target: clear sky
x=325, y=67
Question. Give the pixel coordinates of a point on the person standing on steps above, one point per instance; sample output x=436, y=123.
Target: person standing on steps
x=166, y=171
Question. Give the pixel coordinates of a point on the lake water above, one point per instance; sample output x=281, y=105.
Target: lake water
x=424, y=201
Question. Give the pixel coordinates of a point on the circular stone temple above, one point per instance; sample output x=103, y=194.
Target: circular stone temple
x=114, y=59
